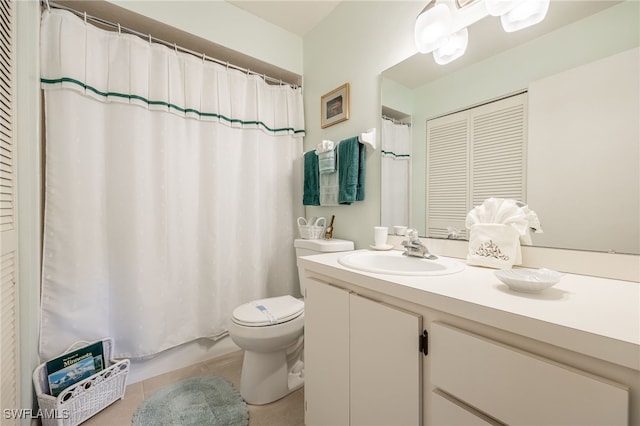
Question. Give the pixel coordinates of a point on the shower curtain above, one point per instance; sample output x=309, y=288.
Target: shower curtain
x=172, y=187
x=396, y=173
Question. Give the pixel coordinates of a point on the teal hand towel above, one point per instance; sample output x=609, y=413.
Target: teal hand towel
x=362, y=152
x=311, y=186
x=351, y=171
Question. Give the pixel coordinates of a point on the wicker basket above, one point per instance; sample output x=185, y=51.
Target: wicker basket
x=82, y=400
x=311, y=232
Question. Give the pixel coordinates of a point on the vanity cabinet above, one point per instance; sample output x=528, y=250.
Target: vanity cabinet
x=514, y=386
x=363, y=364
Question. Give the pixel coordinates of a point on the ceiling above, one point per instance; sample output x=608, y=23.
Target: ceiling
x=486, y=37
x=298, y=17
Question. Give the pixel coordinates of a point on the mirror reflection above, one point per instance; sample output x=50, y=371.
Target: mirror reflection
x=580, y=71
x=395, y=168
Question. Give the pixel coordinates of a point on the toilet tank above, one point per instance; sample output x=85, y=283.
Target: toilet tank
x=309, y=247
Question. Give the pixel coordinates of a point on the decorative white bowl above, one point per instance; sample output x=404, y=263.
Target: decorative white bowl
x=529, y=280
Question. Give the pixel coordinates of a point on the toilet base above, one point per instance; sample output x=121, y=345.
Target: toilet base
x=267, y=377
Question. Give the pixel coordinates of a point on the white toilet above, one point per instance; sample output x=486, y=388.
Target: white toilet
x=271, y=333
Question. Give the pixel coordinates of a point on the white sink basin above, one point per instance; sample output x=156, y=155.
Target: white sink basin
x=395, y=263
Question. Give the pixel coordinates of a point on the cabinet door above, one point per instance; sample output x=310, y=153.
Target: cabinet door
x=326, y=354
x=386, y=365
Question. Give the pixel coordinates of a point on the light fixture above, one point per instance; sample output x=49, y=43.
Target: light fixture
x=524, y=14
x=499, y=7
x=518, y=14
x=441, y=27
x=455, y=47
x=433, y=27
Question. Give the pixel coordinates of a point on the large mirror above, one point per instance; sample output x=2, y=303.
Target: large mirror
x=582, y=174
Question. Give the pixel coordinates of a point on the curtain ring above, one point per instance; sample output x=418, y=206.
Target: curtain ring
x=175, y=47
x=119, y=29
x=227, y=65
x=204, y=58
x=150, y=42
x=85, y=18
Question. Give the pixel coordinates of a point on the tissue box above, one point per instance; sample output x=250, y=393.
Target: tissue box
x=494, y=246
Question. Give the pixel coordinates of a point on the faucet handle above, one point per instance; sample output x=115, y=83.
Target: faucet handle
x=412, y=233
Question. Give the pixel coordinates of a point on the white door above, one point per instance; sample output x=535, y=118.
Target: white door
x=326, y=355
x=386, y=365
x=9, y=360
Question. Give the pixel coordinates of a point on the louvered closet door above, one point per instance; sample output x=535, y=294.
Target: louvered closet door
x=473, y=155
x=498, y=146
x=8, y=229
x=447, y=173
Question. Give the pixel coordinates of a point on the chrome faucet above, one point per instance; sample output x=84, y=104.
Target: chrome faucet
x=414, y=247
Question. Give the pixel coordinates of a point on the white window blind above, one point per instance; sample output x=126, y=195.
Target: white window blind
x=473, y=155
x=9, y=360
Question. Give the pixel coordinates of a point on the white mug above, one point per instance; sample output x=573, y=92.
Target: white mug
x=380, y=235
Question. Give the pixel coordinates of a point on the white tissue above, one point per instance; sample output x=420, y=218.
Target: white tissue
x=534, y=225
x=500, y=211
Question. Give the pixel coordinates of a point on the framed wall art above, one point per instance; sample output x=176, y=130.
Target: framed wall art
x=334, y=106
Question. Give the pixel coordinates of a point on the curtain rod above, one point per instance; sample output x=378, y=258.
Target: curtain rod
x=395, y=120
x=49, y=4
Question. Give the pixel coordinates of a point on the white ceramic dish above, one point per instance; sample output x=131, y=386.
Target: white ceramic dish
x=529, y=280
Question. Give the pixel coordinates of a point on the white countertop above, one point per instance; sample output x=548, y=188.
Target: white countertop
x=595, y=316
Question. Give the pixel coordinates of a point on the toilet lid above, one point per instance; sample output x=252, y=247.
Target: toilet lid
x=271, y=311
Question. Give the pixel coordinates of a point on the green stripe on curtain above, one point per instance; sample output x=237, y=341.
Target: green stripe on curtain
x=395, y=155
x=45, y=81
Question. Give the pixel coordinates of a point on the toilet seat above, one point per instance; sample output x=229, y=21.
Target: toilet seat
x=268, y=312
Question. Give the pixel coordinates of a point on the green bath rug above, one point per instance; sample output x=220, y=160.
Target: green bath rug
x=197, y=401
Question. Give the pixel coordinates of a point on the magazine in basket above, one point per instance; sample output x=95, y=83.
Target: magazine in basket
x=74, y=366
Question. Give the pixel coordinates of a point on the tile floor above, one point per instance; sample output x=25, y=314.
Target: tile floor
x=288, y=411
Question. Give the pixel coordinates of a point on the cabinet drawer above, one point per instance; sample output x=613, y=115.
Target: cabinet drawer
x=516, y=387
x=445, y=412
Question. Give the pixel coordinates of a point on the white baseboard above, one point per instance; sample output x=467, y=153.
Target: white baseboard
x=179, y=357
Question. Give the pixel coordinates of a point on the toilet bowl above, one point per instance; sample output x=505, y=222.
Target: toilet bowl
x=271, y=333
